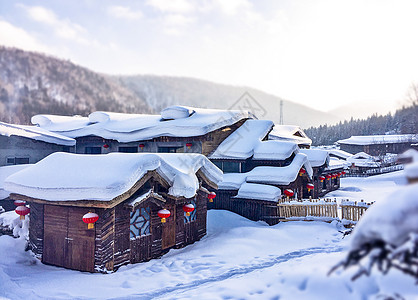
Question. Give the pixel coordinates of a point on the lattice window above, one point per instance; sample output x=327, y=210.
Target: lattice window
x=192, y=217
x=140, y=222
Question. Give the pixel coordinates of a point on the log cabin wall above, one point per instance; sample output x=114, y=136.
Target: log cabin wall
x=36, y=232
x=105, y=240
x=122, y=248
x=213, y=139
x=223, y=199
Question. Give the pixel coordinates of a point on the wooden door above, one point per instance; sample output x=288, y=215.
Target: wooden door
x=55, y=235
x=67, y=241
x=169, y=228
x=80, y=241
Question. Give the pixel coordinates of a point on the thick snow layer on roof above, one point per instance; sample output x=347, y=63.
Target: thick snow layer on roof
x=64, y=176
x=363, y=159
x=339, y=153
x=59, y=123
x=275, y=150
x=136, y=127
x=232, y=181
x=280, y=175
x=241, y=143
x=35, y=133
x=391, y=220
x=268, y=175
x=335, y=163
x=290, y=133
x=380, y=139
x=317, y=157
x=259, y=192
x=176, y=112
x=247, y=141
x=5, y=172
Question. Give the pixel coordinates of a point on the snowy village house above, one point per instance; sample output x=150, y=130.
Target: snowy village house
x=178, y=129
x=128, y=195
x=378, y=145
x=21, y=144
x=259, y=171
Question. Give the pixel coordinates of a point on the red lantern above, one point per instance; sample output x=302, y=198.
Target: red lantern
x=105, y=146
x=188, y=145
x=289, y=193
x=302, y=171
x=211, y=196
x=19, y=202
x=164, y=214
x=310, y=187
x=343, y=172
x=328, y=176
x=188, y=208
x=22, y=211
x=322, y=178
x=90, y=218
x=141, y=146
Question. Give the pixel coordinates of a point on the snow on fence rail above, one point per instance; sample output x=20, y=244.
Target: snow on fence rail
x=351, y=211
x=322, y=209
x=308, y=208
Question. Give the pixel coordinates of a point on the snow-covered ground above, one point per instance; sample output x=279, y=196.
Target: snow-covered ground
x=238, y=259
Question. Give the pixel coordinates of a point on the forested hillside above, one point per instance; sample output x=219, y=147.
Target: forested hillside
x=33, y=83
x=404, y=120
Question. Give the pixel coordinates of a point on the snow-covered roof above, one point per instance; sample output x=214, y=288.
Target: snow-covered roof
x=380, y=139
x=335, y=163
x=317, y=157
x=241, y=143
x=247, y=141
x=268, y=175
x=360, y=156
x=174, y=121
x=5, y=172
x=275, y=150
x=363, y=159
x=104, y=177
x=339, y=153
x=259, y=192
x=290, y=133
x=280, y=175
x=35, y=133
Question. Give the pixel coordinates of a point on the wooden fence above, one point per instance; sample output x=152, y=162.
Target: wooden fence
x=322, y=209
x=352, y=211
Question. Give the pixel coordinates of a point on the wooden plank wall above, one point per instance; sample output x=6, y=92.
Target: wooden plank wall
x=105, y=234
x=36, y=232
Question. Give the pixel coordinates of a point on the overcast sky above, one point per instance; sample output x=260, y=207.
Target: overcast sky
x=322, y=53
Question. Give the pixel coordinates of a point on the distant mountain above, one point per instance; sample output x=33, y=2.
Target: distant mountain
x=161, y=91
x=33, y=83
x=358, y=110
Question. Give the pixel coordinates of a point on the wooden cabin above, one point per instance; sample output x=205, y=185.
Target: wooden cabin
x=378, y=145
x=29, y=144
x=126, y=191
x=177, y=129
x=327, y=172
x=270, y=179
